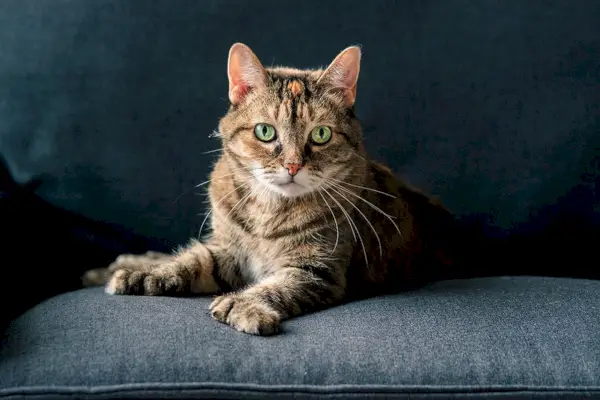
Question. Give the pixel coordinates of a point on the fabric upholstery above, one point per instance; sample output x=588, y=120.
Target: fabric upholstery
x=493, y=336
x=492, y=105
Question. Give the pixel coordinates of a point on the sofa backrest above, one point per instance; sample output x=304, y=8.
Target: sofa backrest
x=493, y=106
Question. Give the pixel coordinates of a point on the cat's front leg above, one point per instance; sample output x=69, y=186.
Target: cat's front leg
x=289, y=292
x=100, y=276
x=188, y=271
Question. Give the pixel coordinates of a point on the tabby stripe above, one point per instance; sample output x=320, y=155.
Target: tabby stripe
x=310, y=110
x=306, y=93
x=304, y=297
x=241, y=222
x=313, y=224
x=277, y=150
x=275, y=299
x=241, y=190
x=323, y=273
x=280, y=89
x=240, y=129
x=236, y=160
x=221, y=283
x=294, y=109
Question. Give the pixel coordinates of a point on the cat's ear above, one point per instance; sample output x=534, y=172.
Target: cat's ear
x=342, y=73
x=245, y=72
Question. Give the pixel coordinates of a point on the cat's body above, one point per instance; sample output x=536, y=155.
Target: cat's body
x=340, y=226
x=300, y=218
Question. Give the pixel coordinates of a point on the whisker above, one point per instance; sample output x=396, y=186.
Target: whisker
x=343, y=211
x=337, y=228
x=248, y=182
x=372, y=205
x=263, y=192
x=210, y=180
x=201, y=184
x=365, y=218
x=351, y=223
x=365, y=188
x=243, y=199
x=211, y=151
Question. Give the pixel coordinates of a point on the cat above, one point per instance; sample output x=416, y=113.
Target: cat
x=301, y=219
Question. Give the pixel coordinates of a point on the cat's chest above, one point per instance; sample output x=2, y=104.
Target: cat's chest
x=254, y=269
x=259, y=257
x=256, y=263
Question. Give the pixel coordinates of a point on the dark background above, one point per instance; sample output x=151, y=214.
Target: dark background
x=491, y=105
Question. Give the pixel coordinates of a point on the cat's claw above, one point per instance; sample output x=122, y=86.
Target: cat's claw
x=246, y=314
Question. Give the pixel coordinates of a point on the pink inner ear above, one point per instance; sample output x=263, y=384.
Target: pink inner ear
x=348, y=65
x=245, y=72
x=349, y=76
x=343, y=73
x=237, y=87
x=238, y=92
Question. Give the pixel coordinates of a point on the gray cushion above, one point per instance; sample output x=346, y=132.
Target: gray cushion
x=495, y=336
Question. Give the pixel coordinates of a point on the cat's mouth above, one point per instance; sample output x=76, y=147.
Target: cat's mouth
x=289, y=184
x=288, y=181
x=286, y=185
x=290, y=188
x=285, y=181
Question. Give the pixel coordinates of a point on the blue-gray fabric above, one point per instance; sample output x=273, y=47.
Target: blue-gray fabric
x=492, y=105
x=498, y=337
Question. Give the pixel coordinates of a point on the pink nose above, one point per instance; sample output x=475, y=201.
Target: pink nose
x=293, y=168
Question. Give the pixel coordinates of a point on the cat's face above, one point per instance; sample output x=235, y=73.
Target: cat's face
x=291, y=132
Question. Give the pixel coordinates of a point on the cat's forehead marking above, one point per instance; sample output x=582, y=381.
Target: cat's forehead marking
x=296, y=87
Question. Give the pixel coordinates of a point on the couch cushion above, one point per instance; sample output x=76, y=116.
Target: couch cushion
x=495, y=336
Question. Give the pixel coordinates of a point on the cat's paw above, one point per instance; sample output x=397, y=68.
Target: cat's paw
x=95, y=277
x=100, y=276
x=246, y=314
x=160, y=278
x=134, y=261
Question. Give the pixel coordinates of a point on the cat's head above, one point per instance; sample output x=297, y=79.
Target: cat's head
x=292, y=131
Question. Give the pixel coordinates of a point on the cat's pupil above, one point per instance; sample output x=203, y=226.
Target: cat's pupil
x=264, y=130
x=321, y=132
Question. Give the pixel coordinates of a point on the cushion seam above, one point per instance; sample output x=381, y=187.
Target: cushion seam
x=317, y=389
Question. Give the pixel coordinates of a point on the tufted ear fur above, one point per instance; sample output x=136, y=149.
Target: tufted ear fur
x=342, y=73
x=244, y=71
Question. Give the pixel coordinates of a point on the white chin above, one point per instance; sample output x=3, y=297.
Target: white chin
x=291, y=189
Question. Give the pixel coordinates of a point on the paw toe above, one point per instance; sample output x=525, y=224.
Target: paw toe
x=152, y=285
x=173, y=283
x=152, y=280
x=247, y=315
x=117, y=283
x=220, y=308
x=257, y=321
x=135, y=282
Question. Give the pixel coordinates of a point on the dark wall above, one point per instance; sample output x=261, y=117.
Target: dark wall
x=492, y=105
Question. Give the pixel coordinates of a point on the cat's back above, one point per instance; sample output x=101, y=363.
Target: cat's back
x=408, y=223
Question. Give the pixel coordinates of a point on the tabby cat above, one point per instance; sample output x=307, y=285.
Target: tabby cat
x=301, y=219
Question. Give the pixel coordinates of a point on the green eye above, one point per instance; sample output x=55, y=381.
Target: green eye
x=264, y=132
x=320, y=135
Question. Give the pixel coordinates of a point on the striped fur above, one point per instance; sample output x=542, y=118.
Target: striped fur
x=346, y=228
